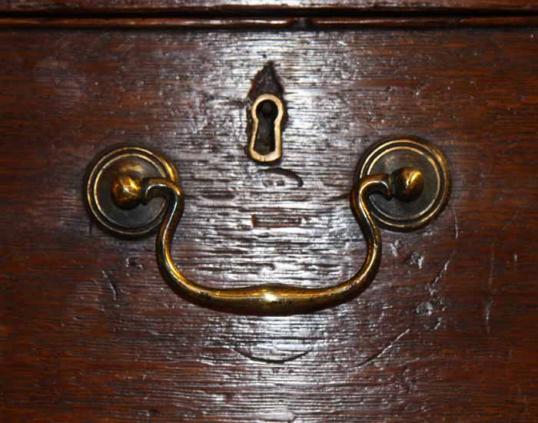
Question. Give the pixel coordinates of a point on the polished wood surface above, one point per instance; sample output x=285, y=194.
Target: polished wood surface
x=446, y=332
x=262, y=6
x=297, y=23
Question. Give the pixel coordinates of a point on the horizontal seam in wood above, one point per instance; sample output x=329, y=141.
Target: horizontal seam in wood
x=288, y=23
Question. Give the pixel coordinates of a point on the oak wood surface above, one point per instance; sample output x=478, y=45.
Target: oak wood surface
x=89, y=332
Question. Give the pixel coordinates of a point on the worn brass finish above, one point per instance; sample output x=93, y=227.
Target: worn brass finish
x=127, y=189
x=276, y=153
x=112, y=190
x=408, y=212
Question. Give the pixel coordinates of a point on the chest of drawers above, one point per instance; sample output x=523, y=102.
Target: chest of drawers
x=447, y=331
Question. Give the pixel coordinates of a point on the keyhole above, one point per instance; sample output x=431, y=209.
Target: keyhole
x=265, y=140
x=266, y=112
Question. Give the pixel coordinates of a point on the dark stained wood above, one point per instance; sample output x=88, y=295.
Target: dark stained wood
x=157, y=23
x=261, y=6
x=423, y=22
x=447, y=331
x=291, y=23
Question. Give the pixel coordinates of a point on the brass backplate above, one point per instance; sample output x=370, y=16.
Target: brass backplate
x=389, y=156
x=135, y=162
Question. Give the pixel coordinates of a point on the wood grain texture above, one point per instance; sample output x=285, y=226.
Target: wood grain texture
x=447, y=331
x=289, y=23
x=260, y=6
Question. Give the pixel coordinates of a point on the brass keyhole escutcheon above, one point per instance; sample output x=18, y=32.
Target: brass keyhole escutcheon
x=265, y=143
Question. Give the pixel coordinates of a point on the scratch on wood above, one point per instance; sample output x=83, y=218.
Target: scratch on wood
x=415, y=259
x=491, y=267
x=271, y=360
x=386, y=348
x=491, y=290
x=487, y=313
x=432, y=286
x=456, y=224
x=112, y=285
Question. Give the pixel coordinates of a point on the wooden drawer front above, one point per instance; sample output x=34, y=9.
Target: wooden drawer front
x=446, y=332
x=261, y=6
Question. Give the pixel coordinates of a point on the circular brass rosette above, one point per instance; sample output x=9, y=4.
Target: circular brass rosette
x=389, y=156
x=137, y=163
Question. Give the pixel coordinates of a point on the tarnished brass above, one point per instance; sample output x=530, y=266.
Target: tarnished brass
x=129, y=190
x=405, y=212
x=112, y=190
x=276, y=132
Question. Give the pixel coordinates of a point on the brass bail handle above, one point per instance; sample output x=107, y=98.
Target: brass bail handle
x=132, y=191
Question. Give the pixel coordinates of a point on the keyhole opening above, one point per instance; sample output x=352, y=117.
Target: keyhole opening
x=267, y=112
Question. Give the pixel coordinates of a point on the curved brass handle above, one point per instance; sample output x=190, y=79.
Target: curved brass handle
x=274, y=298
x=129, y=190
